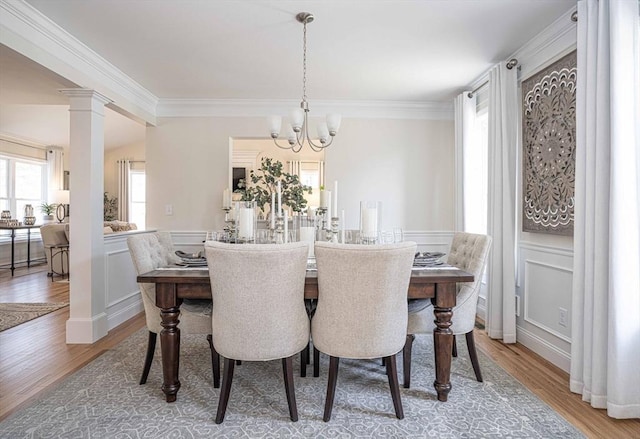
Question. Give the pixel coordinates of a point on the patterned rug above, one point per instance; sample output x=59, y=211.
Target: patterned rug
x=104, y=400
x=13, y=314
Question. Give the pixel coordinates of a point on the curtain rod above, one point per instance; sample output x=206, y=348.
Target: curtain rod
x=510, y=64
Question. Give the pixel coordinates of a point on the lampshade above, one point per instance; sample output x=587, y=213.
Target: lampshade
x=61, y=197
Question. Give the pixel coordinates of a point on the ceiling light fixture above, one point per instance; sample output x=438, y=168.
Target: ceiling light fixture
x=298, y=131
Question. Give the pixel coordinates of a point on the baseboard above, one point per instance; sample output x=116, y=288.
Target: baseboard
x=122, y=315
x=87, y=330
x=545, y=349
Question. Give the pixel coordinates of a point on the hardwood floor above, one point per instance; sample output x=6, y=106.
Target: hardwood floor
x=34, y=357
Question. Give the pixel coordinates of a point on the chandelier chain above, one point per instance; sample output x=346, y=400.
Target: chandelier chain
x=304, y=62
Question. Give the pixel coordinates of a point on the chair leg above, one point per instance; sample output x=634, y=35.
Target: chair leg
x=151, y=348
x=406, y=360
x=454, y=349
x=392, y=373
x=287, y=370
x=471, y=346
x=226, y=389
x=331, y=387
x=215, y=362
x=304, y=354
x=316, y=362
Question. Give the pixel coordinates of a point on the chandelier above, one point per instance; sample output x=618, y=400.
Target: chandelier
x=298, y=132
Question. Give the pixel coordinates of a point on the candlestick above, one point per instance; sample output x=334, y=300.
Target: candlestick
x=273, y=210
x=286, y=227
x=279, y=198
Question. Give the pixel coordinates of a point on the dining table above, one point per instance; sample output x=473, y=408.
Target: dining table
x=174, y=284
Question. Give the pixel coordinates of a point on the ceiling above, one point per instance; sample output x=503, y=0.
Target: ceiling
x=358, y=50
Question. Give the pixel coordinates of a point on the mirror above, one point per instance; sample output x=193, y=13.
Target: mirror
x=246, y=155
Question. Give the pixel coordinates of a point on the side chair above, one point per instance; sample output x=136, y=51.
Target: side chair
x=362, y=307
x=469, y=253
x=154, y=250
x=271, y=278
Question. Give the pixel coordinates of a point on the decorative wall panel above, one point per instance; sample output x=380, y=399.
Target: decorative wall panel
x=548, y=141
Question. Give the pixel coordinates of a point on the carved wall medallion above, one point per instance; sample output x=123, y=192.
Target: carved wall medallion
x=548, y=141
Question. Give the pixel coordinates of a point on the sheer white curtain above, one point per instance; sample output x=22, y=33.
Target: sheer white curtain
x=123, y=189
x=55, y=172
x=501, y=221
x=465, y=115
x=605, y=345
x=294, y=167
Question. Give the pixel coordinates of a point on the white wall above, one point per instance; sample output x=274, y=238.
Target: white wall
x=406, y=164
x=135, y=151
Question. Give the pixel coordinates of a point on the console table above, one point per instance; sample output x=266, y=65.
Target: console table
x=13, y=241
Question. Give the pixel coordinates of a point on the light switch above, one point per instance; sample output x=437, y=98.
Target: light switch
x=168, y=209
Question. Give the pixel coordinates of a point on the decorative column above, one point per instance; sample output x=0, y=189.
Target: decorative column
x=87, y=316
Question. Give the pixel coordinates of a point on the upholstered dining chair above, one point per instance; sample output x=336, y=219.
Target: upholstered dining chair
x=154, y=250
x=362, y=307
x=271, y=278
x=469, y=253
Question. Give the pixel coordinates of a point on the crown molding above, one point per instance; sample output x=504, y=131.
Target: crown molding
x=31, y=33
x=264, y=108
x=554, y=41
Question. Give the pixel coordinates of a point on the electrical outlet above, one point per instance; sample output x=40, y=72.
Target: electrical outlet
x=168, y=209
x=564, y=317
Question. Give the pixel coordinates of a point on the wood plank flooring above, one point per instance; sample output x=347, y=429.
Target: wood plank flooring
x=34, y=357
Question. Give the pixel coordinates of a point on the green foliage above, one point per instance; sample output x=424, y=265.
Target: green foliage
x=47, y=208
x=110, y=207
x=264, y=181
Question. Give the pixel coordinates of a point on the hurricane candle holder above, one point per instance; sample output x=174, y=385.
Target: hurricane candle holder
x=246, y=223
x=278, y=235
x=370, y=221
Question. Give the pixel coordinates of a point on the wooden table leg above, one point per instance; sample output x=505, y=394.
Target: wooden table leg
x=443, y=338
x=166, y=298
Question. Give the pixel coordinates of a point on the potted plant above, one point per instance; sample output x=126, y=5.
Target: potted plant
x=264, y=181
x=110, y=207
x=48, y=209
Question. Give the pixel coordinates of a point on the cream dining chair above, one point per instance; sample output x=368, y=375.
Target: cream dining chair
x=469, y=253
x=362, y=307
x=271, y=278
x=154, y=250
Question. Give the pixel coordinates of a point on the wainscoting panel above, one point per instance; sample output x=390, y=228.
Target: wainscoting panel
x=545, y=276
x=122, y=293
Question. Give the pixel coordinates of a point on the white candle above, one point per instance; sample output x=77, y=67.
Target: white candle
x=286, y=227
x=342, y=220
x=325, y=202
x=279, y=198
x=370, y=222
x=273, y=210
x=226, y=199
x=335, y=197
x=245, y=223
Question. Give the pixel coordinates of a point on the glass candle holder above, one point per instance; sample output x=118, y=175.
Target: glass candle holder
x=370, y=221
x=246, y=224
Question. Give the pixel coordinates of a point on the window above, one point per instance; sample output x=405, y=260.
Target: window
x=137, y=193
x=476, y=175
x=22, y=182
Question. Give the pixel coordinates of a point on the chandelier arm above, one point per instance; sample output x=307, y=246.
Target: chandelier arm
x=289, y=146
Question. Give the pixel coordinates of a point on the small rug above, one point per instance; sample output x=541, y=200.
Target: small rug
x=13, y=314
x=104, y=400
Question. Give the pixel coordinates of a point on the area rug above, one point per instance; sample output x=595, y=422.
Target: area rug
x=104, y=400
x=13, y=314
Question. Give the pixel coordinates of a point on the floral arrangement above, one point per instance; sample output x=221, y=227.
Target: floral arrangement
x=264, y=181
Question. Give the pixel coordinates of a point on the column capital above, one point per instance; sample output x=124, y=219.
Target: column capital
x=85, y=93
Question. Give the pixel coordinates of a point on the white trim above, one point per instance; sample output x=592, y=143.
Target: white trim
x=543, y=348
x=87, y=330
x=264, y=108
x=123, y=314
x=550, y=249
x=31, y=33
